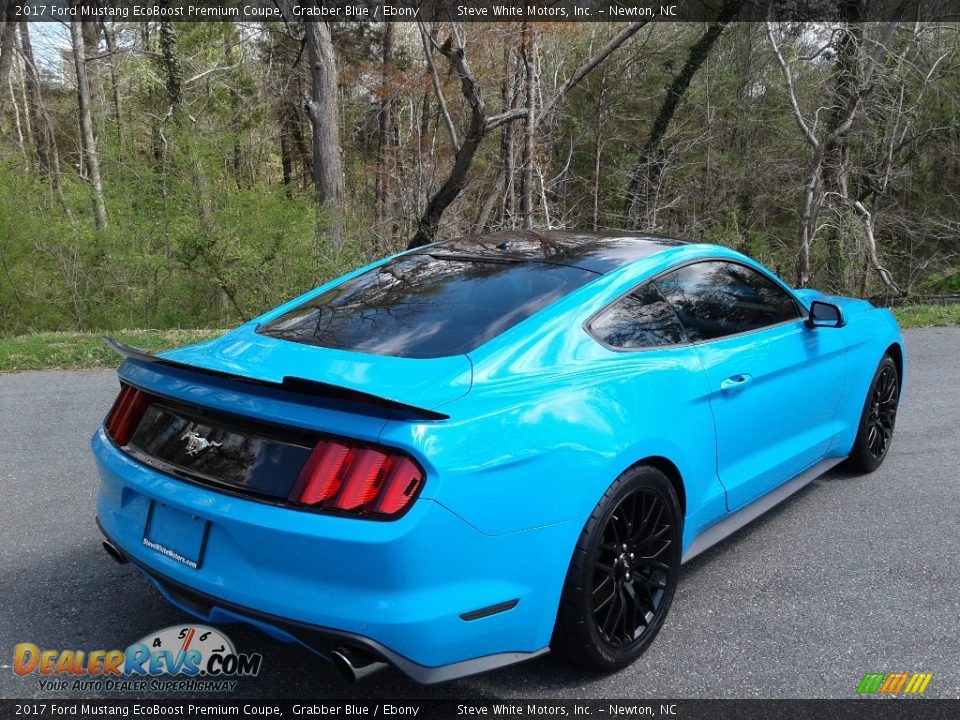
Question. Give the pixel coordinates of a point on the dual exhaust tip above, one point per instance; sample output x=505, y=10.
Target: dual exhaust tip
x=114, y=552
x=355, y=664
x=351, y=663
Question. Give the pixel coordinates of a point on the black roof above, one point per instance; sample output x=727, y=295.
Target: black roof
x=597, y=252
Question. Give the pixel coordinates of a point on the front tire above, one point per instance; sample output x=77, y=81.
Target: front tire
x=623, y=574
x=878, y=419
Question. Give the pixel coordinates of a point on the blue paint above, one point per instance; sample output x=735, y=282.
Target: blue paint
x=543, y=418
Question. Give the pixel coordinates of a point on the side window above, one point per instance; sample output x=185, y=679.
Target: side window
x=641, y=319
x=718, y=298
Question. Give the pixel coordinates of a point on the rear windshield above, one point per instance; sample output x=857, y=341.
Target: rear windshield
x=419, y=306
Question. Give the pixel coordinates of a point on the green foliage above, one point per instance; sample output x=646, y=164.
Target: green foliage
x=184, y=247
x=201, y=124
x=911, y=316
x=74, y=350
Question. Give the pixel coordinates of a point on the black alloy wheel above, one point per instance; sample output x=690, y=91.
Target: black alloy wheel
x=623, y=573
x=630, y=575
x=883, y=412
x=878, y=419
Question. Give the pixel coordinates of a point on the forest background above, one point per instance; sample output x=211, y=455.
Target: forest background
x=192, y=175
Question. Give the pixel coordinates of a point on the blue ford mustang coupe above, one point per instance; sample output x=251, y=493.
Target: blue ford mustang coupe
x=464, y=455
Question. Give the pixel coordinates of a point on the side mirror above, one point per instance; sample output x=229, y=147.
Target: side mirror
x=824, y=314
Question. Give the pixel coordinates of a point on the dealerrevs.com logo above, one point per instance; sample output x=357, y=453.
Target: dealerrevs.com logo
x=181, y=658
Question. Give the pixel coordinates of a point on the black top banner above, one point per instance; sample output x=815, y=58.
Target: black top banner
x=919, y=709
x=485, y=10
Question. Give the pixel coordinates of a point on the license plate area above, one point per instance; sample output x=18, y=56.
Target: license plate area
x=175, y=534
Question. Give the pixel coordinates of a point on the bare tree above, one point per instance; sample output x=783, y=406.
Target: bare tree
x=88, y=140
x=848, y=98
x=43, y=135
x=528, y=51
x=323, y=111
x=384, y=133
x=503, y=184
x=324, y=116
x=109, y=35
x=170, y=65
x=45, y=143
x=649, y=166
x=91, y=46
x=480, y=124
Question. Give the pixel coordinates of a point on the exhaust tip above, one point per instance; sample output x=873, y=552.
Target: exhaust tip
x=114, y=553
x=355, y=665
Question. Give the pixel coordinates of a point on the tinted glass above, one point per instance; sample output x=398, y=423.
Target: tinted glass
x=714, y=299
x=641, y=319
x=420, y=306
x=591, y=251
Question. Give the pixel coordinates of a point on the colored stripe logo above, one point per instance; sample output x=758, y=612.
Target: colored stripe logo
x=894, y=683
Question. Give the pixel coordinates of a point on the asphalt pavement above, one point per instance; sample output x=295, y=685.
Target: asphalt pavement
x=851, y=575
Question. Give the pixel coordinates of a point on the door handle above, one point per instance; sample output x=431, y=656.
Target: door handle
x=734, y=382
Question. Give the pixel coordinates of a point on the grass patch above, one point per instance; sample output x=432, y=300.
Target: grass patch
x=914, y=316
x=75, y=350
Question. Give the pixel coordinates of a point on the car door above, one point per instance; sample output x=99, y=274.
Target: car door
x=664, y=375
x=774, y=382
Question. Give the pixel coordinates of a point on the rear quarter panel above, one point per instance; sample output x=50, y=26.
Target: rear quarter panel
x=544, y=432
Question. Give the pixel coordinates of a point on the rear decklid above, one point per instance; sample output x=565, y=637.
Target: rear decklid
x=423, y=383
x=249, y=414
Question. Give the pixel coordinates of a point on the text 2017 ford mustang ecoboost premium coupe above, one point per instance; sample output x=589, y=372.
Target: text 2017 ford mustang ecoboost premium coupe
x=467, y=454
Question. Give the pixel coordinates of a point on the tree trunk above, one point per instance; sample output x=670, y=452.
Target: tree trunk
x=86, y=126
x=21, y=139
x=7, y=41
x=286, y=164
x=598, y=136
x=35, y=108
x=808, y=217
x=476, y=131
x=649, y=166
x=483, y=217
x=115, y=91
x=384, y=133
x=91, y=47
x=528, y=50
x=170, y=64
x=45, y=143
x=237, y=161
x=322, y=107
x=836, y=147
x=290, y=130
x=21, y=71
x=511, y=96
x=866, y=222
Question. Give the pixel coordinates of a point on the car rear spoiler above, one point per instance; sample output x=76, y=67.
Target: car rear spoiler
x=361, y=402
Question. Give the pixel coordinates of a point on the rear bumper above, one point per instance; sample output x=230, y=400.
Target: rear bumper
x=320, y=640
x=397, y=589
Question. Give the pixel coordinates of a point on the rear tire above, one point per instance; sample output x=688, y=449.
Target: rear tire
x=623, y=573
x=878, y=419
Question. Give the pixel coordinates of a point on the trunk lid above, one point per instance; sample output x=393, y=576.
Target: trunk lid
x=419, y=382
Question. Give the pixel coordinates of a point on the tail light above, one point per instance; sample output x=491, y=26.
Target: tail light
x=125, y=414
x=362, y=480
